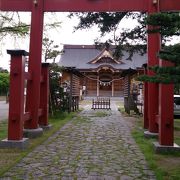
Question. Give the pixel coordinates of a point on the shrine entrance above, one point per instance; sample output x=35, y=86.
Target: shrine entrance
x=156, y=117
x=105, y=83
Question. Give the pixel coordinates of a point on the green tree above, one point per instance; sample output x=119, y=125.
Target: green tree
x=2, y=70
x=12, y=23
x=4, y=83
x=131, y=40
x=50, y=50
x=167, y=24
x=56, y=91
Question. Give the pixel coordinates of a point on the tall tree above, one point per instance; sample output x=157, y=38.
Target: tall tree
x=13, y=24
x=167, y=24
x=50, y=50
x=131, y=40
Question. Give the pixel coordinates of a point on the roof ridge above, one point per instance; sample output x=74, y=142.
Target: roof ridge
x=82, y=46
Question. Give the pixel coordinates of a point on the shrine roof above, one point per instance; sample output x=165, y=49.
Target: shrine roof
x=85, y=57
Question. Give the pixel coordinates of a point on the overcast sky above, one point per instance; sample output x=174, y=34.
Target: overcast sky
x=62, y=35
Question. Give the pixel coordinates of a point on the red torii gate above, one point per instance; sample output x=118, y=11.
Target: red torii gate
x=158, y=111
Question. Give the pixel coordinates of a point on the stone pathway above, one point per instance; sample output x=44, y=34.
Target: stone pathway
x=97, y=145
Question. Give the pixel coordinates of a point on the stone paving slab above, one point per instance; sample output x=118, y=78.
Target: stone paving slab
x=94, y=146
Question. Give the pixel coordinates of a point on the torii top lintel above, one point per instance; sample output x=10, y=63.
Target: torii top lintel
x=88, y=5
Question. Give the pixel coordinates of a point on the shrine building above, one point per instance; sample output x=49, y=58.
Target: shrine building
x=101, y=74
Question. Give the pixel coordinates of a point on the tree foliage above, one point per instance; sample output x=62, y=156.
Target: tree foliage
x=50, y=50
x=2, y=70
x=56, y=91
x=4, y=83
x=11, y=24
x=106, y=22
x=134, y=40
x=130, y=40
x=168, y=24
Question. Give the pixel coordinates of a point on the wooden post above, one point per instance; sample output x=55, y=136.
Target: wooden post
x=44, y=95
x=97, y=85
x=112, y=88
x=166, y=111
x=153, y=48
x=16, y=95
x=70, y=93
x=77, y=103
x=33, y=87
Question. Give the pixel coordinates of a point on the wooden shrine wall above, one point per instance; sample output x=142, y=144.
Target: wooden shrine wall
x=75, y=85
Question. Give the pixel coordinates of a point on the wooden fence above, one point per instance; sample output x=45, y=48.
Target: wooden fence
x=101, y=103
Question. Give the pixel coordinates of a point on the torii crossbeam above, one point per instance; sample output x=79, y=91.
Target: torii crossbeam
x=88, y=5
x=156, y=117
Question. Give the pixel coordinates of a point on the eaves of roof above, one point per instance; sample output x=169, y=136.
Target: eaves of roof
x=79, y=56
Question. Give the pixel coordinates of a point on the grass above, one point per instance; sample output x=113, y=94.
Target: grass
x=166, y=166
x=81, y=119
x=3, y=129
x=101, y=114
x=177, y=131
x=9, y=157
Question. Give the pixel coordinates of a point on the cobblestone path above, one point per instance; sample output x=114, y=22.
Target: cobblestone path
x=96, y=145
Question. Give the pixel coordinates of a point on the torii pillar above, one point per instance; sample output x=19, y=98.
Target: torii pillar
x=154, y=45
x=33, y=87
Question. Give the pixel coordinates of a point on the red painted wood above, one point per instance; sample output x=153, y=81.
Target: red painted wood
x=88, y=5
x=40, y=112
x=152, y=107
x=44, y=97
x=16, y=99
x=16, y=5
x=153, y=48
x=33, y=87
x=95, y=5
x=166, y=111
x=27, y=116
x=169, y=5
